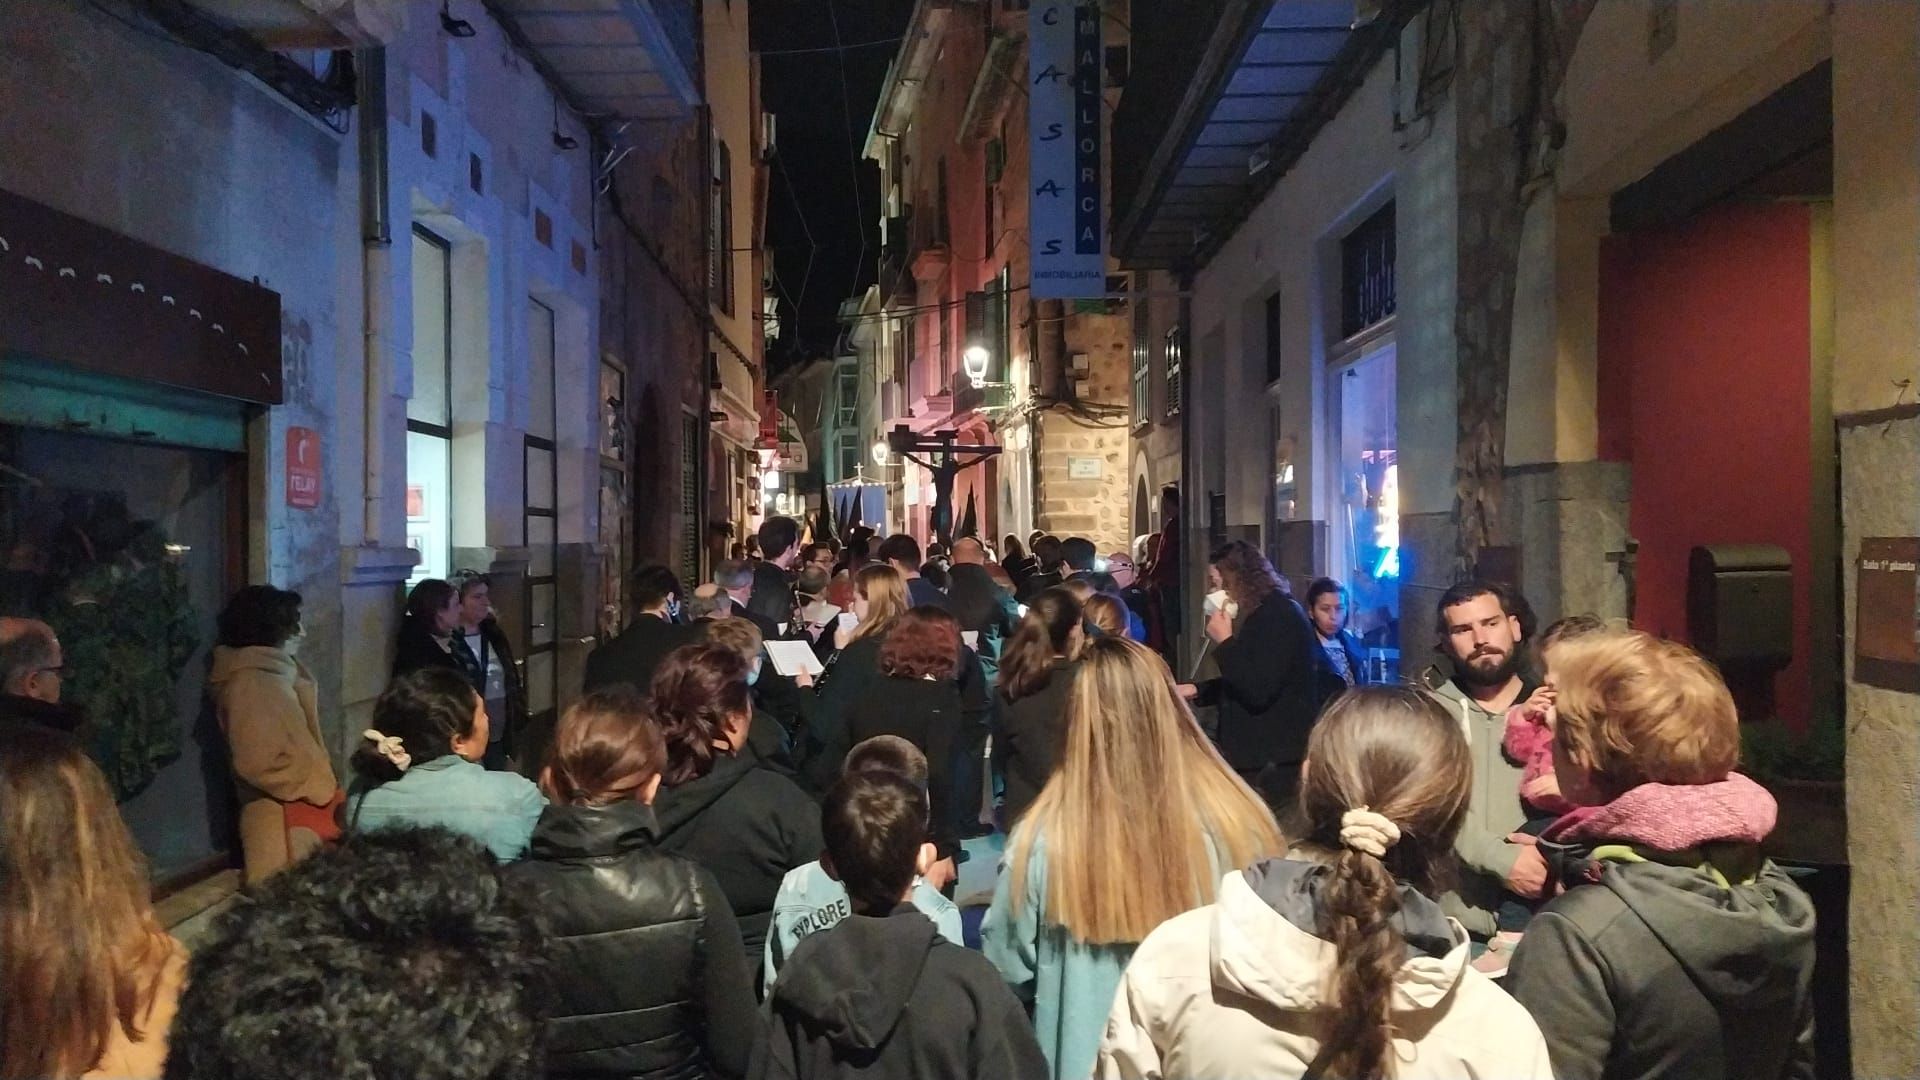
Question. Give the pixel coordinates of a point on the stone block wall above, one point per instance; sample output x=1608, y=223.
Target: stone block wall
x=1093, y=424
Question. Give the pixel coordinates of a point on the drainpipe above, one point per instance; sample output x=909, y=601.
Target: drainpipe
x=376, y=259
x=702, y=466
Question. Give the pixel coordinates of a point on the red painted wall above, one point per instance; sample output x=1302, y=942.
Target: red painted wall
x=1705, y=370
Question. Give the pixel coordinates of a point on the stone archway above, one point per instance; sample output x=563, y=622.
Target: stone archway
x=1142, y=510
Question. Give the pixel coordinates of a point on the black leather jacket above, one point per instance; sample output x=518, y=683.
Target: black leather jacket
x=649, y=976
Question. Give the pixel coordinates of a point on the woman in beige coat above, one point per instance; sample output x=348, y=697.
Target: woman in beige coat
x=1334, y=960
x=268, y=711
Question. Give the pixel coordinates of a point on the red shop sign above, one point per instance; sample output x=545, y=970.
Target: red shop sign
x=303, y=468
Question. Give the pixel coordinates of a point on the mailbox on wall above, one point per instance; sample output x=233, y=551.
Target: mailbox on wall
x=1740, y=604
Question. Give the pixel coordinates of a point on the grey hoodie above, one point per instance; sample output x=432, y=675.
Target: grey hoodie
x=1493, y=812
x=1665, y=971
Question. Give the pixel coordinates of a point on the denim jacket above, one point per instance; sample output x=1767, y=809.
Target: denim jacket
x=498, y=809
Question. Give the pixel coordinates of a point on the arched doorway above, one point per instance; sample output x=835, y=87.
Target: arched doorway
x=1141, y=521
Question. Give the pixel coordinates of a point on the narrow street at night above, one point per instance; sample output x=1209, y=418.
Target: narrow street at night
x=1004, y=539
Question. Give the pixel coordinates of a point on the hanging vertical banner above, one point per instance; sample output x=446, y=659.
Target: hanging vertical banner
x=1067, y=226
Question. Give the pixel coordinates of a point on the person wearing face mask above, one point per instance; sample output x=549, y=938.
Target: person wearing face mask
x=502, y=689
x=631, y=656
x=768, y=735
x=267, y=708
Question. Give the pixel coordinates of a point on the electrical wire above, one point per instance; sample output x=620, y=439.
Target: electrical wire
x=838, y=48
x=846, y=110
x=813, y=247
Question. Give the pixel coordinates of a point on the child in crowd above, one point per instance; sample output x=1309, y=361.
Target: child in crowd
x=397, y=953
x=420, y=765
x=881, y=993
x=1529, y=734
x=1334, y=960
x=1677, y=949
x=811, y=899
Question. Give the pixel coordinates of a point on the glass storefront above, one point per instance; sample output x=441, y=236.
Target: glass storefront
x=1366, y=526
x=127, y=549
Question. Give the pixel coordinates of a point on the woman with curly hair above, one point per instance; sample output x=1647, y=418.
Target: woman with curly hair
x=729, y=811
x=1266, y=695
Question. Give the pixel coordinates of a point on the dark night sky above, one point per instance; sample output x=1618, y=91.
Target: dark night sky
x=821, y=135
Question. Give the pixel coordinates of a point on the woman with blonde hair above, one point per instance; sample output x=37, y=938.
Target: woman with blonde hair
x=88, y=978
x=1335, y=960
x=1136, y=827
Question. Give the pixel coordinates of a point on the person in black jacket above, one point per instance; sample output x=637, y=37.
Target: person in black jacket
x=1035, y=673
x=980, y=603
x=722, y=806
x=504, y=692
x=772, y=585
x=31, y=665
x=1046, y=573
x=1266, y=693
x=880, y=601
x=880, y=994
x=428, y=638
x=918, y=699
x=653, y=981
x=632, y=656
x=1341, y=663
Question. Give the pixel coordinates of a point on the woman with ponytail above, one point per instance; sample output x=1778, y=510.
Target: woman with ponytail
x=419, y=765
x=734, y=814
x=1334, y=960
x=677, y=999
x=1036, y=667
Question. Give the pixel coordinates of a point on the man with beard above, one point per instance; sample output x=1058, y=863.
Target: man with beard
x=1483, y=640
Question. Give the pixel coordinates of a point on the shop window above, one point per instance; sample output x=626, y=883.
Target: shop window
x=1367, y=525
x=429, y=504
x=129, y=550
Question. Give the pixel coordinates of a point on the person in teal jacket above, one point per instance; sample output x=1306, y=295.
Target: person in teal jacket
x=419, y=765
x=1075, y=894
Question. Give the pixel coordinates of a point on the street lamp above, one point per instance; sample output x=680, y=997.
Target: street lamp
x=880, y=452
x=975, y=358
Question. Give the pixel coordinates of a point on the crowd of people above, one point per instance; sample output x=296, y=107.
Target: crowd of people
x=1534, y=859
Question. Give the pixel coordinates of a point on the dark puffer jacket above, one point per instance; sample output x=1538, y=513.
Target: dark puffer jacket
x=651, y=981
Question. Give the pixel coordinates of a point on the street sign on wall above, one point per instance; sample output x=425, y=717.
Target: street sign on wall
x=1067, y=226
x=303, y=468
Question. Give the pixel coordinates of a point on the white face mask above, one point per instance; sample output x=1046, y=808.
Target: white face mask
x=292, y=645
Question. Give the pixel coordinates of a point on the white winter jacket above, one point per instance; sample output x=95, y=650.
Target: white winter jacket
x=1237, y=991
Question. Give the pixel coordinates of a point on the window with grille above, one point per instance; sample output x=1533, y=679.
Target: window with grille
x=1366, y=273
x=1142, y=358
x=1175, y=346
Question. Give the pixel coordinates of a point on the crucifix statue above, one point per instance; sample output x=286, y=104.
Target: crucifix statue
x=943, y=455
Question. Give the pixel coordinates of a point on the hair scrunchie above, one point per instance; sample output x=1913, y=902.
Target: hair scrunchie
x=389, y=747
x=1363, y=830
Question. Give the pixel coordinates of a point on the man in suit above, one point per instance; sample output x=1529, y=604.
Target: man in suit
x=632, y=656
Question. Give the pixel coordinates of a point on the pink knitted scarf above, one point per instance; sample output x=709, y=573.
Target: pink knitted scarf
x=1674, y=817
